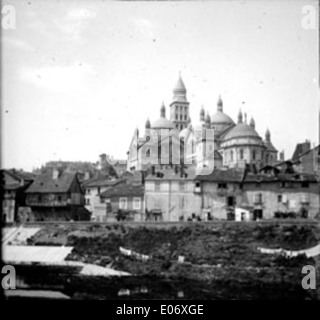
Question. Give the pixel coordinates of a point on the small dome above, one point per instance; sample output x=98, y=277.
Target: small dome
x=242, y=130
x=221, y=118
x=162, y=123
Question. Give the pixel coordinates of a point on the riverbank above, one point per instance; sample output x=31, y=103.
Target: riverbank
x=224, y=253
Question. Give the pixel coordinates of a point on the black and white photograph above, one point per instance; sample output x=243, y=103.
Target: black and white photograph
x=160, y=151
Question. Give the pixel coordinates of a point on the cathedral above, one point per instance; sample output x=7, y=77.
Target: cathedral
x=232, y=145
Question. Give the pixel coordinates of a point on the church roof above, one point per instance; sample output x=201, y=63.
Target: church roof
x=270, y=146
x=221, y=117
x=162, y=123
x=242, y=130
x=179, y=86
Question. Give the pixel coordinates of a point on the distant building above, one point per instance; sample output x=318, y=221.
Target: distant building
x=92, y=188
x=231, y=146
x=56, y=197
x=170, y=195
x=14, y=183
x=306, y=159
x=124, y=201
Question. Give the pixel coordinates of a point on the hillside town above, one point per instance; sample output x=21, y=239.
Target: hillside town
x=250, y=179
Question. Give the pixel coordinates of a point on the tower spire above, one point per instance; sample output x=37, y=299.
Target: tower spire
x=240, y=116
x=268, y=135
x=220, y=104
x=163, y=110
x=252, y=123
x=202, y=114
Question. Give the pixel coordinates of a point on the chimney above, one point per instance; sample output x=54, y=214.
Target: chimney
x=55, y=173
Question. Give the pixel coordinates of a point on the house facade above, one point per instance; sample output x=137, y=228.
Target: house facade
x=169, y=195
x=124, y=201
x=14, y=183
x=56, y=197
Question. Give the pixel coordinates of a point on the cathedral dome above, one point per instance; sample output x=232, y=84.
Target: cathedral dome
x=162, y=123
x=221, y=118
x=242, y=130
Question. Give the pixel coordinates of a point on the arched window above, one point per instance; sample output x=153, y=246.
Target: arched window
x=254, y=155
x=241, y=154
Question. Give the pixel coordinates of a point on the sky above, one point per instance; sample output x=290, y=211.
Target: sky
x=78, y=77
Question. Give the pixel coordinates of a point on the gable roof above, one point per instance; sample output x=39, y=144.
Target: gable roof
x=44, y=183
x=123, y=190
x=300, y=149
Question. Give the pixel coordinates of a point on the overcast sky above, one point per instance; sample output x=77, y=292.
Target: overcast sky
x=79, y=76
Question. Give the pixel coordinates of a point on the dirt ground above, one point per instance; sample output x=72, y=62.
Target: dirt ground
x=212, y=252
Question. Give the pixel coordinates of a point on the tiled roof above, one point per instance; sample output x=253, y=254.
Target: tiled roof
x=230, y=175
x=100, y=182
x=123, y=190
x=44, y=183
x=300, y=149
x=281, y=177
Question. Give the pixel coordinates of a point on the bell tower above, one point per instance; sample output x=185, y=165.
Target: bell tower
x=179, y=107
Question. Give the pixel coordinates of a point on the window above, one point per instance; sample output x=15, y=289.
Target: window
x=136, y=203
x=254, y=155
x=102, y=200
x=222, y=186
x=59, y=198
x=182, y=202
x=185, y=117
x=182, y=186
x=258, y=198
x=157, y=186
x=98, y=189
x=180, y=116
x=123, y=203
x=87, y=201
x=176, y=117
x=231, y=155
x=305, y=184
x=88, y=191
x=279, y=198
x=241, y=154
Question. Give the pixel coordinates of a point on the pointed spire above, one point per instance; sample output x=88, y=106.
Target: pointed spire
x=268, y=135
x=202, y=114
x=240, y=116
x=208, y=120
x=179, y=90
x=163, y=110
x=148, y=124
x=220, y=104
x=252, y=123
